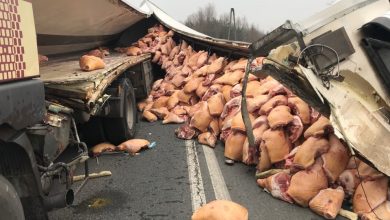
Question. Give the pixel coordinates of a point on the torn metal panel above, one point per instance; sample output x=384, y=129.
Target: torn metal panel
x=281, y=35
x=99, y=104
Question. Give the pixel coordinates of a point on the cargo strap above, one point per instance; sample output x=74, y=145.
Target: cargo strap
x=244, y=109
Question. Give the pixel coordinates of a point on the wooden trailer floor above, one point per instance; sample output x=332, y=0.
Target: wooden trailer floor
x=68, y=84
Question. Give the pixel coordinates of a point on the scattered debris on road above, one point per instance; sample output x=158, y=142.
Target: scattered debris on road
x=92, y=175
x=102, y=147
x=131, y=147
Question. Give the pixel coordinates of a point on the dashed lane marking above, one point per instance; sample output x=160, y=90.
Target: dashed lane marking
x=198, y=197
x=217, y=180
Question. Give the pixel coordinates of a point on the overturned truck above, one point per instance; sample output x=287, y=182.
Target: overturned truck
x=320, y=83
x=316, y=130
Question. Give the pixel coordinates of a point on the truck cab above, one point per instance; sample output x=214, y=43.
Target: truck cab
x=23, y=105
x=338, y=62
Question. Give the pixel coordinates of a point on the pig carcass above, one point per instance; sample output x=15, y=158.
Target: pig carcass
x=336, y=159
x=234, y=145
x=306, y=184
x=221, y=210
x=102, y=147
x=133, y=146
x=279, y=116
x=277, y=185
x=309, y=151
x=373, y=194
x=319, y=128
x=277, y=144
x=328, y=202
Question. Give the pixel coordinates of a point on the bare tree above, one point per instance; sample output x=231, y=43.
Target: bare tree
x=206, y=20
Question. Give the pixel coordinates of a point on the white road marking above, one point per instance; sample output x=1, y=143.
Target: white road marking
x=217, y=180
x=198, y=197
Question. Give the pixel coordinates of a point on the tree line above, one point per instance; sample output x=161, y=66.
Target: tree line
x=207, y=21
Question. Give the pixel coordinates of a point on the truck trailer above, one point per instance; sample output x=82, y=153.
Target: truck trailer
x=52, y=107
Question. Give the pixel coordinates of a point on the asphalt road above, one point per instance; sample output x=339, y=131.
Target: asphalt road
x=158, y=184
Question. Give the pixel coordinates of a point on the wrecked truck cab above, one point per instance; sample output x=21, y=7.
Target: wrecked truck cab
x=338, y=62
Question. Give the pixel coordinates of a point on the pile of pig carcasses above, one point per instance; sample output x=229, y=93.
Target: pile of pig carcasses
x=306, y=162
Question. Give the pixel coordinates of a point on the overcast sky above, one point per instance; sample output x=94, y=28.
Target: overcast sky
x=265, y=14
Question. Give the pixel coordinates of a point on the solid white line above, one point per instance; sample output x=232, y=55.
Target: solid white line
x=217, y=180
x=198, y=197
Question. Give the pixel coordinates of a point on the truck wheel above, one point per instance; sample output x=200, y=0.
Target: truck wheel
x=123, y=128
x=10, y=204
x=92, y=132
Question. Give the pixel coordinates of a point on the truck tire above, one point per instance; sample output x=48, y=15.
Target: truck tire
x=10, y=205
x=123, y=128
x=92, y=132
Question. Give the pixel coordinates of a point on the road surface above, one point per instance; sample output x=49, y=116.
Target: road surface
x=169, y=181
